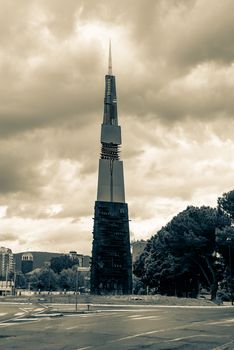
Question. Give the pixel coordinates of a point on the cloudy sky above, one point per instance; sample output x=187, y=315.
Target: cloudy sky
x=174, y=65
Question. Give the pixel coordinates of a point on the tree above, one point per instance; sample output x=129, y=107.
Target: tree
x=45, y=279
x=182, y=254
x=225, y=247
x=225, y=242
x=226, y=204
x=70, y=279
x=63, y=262
x=21, y=281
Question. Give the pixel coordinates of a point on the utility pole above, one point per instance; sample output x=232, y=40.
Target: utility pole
x=230, y=266
x=6, y=280
x=76, y=285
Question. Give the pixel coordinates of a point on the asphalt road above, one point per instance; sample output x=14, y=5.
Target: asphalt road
x=115, y=327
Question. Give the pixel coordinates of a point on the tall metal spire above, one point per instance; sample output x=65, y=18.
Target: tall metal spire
x=110, y=60
x=111, y=268
x=110, y=100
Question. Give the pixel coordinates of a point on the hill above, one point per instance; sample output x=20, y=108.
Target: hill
x=39, y=258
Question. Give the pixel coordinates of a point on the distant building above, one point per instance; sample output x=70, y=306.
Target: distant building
x=137, y=249
x=84, y=278
x=86, y=261
x=6, y=263
x=27, y=262
x=6, y=287
x=73, y=254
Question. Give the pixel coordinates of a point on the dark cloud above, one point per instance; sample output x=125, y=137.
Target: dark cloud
x=19, y=164
x=7, y=236
x=54, y=76
x=206, y=33
x=174, y=65
x=51, y=95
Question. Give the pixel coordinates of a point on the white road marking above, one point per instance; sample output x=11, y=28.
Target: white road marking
x=107, y=314
x=86, y=315
x=87, y=347
x=145, y=333
x=41, y=316
x=72, y=315
x=129, y=310
x=132, y=316
x=24, y=310
x=19, y=313
x=49, y=327
x=190, y=336
x=166, y=330
x=3, y=313
x=231, y=320
x=18, y=320
x=39, y=309
x=79, y=315
x=68, y=328
x=146, y=318
x=98, y=314
x=116, y=314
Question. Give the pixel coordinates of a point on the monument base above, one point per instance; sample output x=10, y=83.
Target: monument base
x=111, y=269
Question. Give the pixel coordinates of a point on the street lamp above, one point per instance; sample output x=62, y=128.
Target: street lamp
x=230, y=265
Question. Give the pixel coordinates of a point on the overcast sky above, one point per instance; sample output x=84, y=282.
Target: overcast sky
x=174, y=66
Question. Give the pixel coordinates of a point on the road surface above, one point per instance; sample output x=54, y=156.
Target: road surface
x=117, y=327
